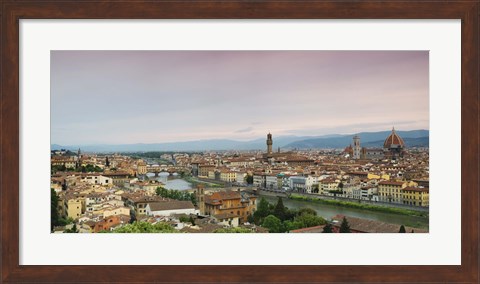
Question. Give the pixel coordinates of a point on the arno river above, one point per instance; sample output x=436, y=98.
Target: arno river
x=324, y=210
x=171, y=182
x=328, y=211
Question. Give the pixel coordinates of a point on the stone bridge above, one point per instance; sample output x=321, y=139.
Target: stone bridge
x=156, y=169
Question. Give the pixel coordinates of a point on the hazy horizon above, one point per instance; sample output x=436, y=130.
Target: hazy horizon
x=239, y=140
x=130, y=97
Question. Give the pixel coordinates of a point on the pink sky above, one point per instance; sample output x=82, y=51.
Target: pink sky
x=119, y=97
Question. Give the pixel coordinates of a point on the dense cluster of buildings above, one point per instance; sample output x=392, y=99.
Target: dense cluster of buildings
x=115, y=196
x=392, y=174
x=101, y=192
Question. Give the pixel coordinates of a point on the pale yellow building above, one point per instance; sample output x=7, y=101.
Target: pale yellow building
x=327, y=185
x=116, y=211
x=211, y=174
x=75, y=208
x=416, y=196
x=228, y=176
x=141, y=167
x=233, y=203
x=375, y=176
x=391, y=191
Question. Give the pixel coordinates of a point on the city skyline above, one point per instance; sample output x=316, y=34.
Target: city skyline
x=123, y=97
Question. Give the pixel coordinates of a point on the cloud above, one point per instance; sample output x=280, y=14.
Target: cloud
x=248, y=129
x=165, y=96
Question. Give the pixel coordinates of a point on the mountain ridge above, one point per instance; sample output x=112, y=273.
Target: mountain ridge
x=412, y=138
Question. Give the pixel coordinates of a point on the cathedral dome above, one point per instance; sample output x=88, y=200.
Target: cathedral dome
x=393, y=141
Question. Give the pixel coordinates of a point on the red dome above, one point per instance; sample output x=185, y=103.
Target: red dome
x=393, y=141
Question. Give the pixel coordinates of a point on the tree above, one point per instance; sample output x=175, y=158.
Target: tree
x=308, y=211
x=327, y=228
x=273, y=224
x=290, y=214
x=53, y=208
x=250, y=218
x=184, y=219
x=193, y=198
x=145, y=227
x=263, y=210
x=292, y=225
x=73, y=230
x=308, y=220
x=280, y=211
x=402, y=229
x=249, y=179
x=340, y=186
x=345, y=227
x=233, y=230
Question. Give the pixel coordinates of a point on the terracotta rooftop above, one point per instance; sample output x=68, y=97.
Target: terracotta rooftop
x=372, y=226
x=417, y=189
x=387, y=182
x=225, y=215
x=170, y=205
x=393, y=139
x=316, y=229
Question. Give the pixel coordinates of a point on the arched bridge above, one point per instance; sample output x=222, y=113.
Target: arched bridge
x=156, y=169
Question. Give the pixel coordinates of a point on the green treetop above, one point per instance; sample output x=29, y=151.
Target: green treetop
x=327, y=228
x=273, y=224
x=345, y=227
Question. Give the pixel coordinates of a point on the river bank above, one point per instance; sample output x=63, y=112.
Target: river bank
x=349, y=204
x=196, y=181
x=328, y=210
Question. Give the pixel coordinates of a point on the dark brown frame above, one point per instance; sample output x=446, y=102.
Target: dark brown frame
x=12, y=11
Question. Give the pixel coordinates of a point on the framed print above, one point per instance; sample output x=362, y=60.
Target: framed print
x=207, y=118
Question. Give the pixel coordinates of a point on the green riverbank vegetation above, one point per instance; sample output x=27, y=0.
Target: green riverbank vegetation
x=363, y=206
x=279, y=219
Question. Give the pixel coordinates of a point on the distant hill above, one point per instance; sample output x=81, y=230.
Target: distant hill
x=375, y=139
x=409, y=142
x=418, y=138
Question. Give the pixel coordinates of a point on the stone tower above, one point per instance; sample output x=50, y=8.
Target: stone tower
x=200, y=196
x=269, y=144
x=78, y=163
x=356, y=147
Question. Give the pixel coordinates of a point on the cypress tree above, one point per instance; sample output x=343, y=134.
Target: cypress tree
x=53, y=209
x=327, y=228
x=402, y=229
x=280, y=211
x=345, y=227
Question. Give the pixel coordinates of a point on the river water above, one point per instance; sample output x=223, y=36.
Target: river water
x=171, y=182
x=328, y=211
x=324, y=210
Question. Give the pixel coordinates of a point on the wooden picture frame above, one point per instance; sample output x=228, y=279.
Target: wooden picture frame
x=12, y=11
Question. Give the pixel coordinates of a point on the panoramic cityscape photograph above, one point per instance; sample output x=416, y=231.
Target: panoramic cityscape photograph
x=240, y=141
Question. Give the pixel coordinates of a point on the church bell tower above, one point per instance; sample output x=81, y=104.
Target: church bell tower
x=356, y=147
x=269, y=143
